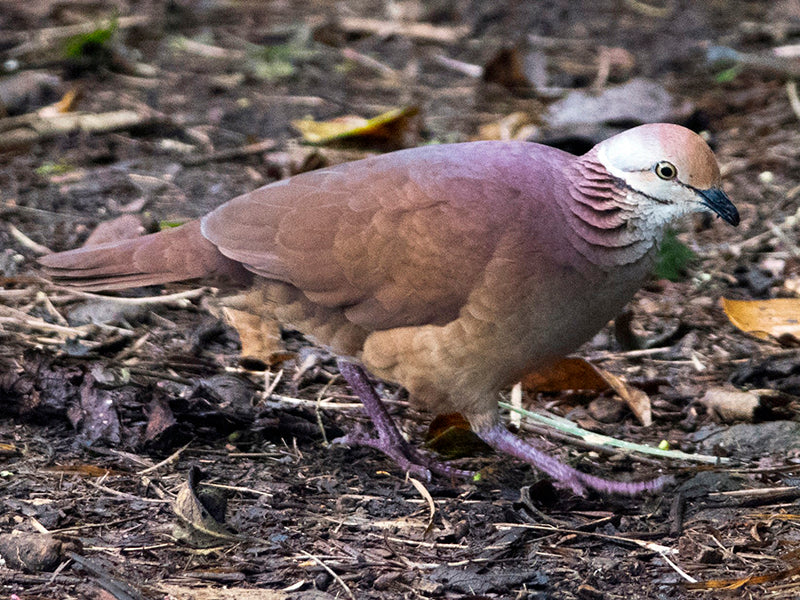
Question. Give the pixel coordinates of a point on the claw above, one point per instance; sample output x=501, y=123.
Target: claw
x=388, y=439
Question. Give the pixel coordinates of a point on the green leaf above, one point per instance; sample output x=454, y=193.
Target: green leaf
x=673, y=258
x=728, y=75
x=77, y=45
x=53, y=168
x=169, y=224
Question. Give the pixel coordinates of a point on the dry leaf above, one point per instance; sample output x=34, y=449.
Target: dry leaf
x=201, y=514
x=507, y=68
x=566, y=374
x=637, y=400
x=578, y=374
x=516, y=126
x=739, y=582
x=397, y=128
x=765, y=319
x=84, y=470
x=8, y=449
x=451, y=435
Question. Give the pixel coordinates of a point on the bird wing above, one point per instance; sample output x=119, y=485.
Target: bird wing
x=393, y=240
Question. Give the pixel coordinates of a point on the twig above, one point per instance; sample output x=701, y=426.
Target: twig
x=550, y=529
x=16, y=294
x=769, y=63
x=426, y=495
x=160, y=375
x=237, y=488
x=631, y=353
x=269, y=390
x=27, y=242
x=596, y=438
x=119, y=589
x=6, y=208
x=370, y=63
x=784, y=238
x=43, y=39
x=331, y=572
x=222, y=155
x=515, y=418
x=39, y=127
x=94, y=525
x=278, y=400
x=794, y=100
x=650, y=10
x=51, y=310
x=20, y=318
x=557, y=436
x=419, y=31
x=126, y=495
x=318, y=412
x=677, y=569
x=207, y=50
x=170, y=459
x=144, y=300
x=474, y=71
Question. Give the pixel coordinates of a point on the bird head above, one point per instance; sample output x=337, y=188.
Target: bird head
x=668, y=171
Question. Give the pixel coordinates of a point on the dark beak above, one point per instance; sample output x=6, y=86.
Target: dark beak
x=715, y=200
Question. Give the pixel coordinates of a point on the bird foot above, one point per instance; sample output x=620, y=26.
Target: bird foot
x=502, y=440
x=389, y=440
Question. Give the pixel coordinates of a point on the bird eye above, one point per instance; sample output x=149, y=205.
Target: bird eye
x=666, y=170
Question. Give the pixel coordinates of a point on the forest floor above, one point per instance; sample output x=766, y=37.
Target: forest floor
x=114, y=431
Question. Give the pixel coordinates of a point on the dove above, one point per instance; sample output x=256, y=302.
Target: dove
x=452, y=270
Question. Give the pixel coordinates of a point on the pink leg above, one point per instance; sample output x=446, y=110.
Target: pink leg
x=502, y=440
x=389, y=441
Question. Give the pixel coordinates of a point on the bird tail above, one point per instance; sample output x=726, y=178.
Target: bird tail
x=175, y=254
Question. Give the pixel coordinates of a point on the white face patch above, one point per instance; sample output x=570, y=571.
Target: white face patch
x=626, y=154
x=658, y=201
x=654, y=216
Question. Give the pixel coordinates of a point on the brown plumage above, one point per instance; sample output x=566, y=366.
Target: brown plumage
x=451, y=270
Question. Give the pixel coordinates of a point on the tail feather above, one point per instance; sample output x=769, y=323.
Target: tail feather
x=171, y=255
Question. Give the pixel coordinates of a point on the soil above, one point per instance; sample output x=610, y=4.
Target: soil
x=140, y=459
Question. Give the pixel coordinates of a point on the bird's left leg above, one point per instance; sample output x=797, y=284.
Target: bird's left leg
x=389, y=440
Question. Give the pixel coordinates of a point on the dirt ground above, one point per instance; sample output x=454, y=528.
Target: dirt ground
x=140, y=459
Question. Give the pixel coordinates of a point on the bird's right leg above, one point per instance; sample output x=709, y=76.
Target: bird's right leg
x=502, y=440
x=389, y=440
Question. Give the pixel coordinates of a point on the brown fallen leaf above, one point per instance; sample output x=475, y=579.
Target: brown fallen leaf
x=507, y=68
x=578, y=374
x=451, y=435
x=161, y=422
x=739, y=582
x=777, y=318
x=637, y=400
x=566, y=374
x=82, y=470
x=201, y=514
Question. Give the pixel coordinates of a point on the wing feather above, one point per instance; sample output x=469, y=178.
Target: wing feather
x=393, y=240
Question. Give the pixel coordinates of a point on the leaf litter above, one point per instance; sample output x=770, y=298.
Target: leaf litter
x=162, y=387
